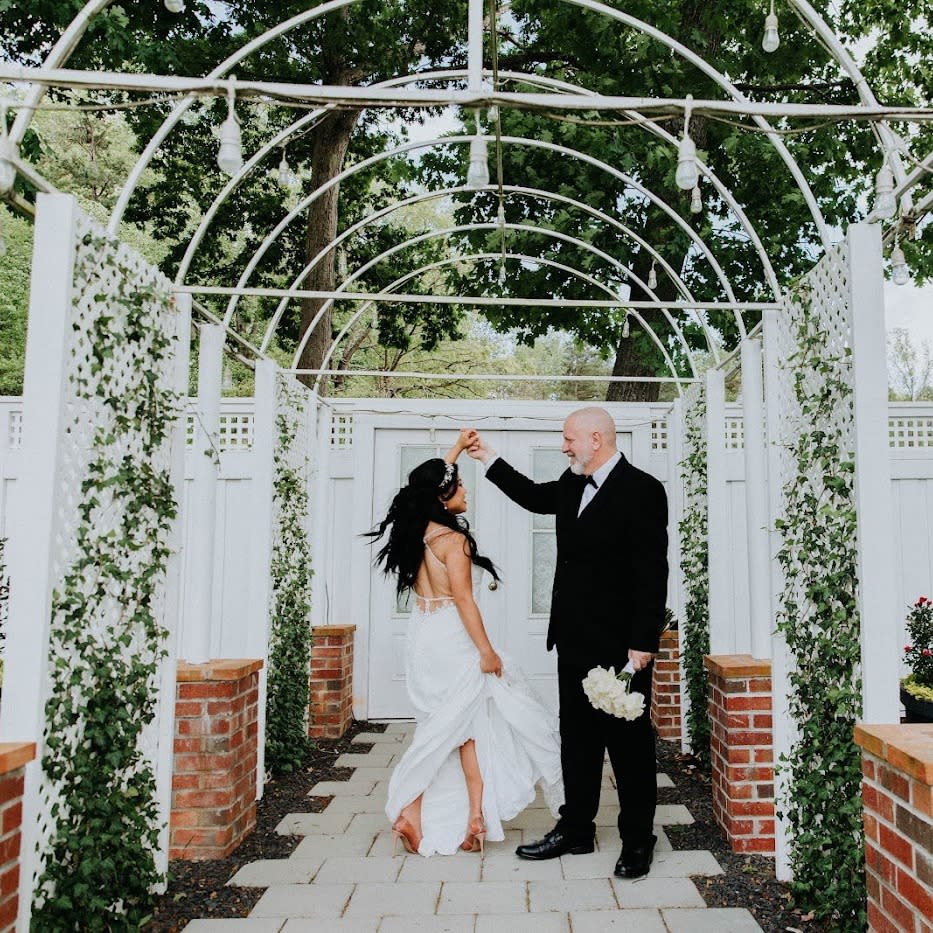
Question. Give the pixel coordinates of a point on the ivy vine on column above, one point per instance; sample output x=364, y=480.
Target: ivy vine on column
x=819, y=617
x=290, y=629
x=100, y=813
x=694, y=562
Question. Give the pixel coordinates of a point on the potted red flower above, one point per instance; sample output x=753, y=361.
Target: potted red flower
x=917, y=689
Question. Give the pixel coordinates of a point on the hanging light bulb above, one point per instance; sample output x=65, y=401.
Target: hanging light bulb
x=493, y=113
x=284, y=175
x=687, y=176
x=885, y=205
x=8, y=155
x=175, y=6
x=625, y=327
x=899, y=272
x=771, y=39
x=478, y=172
x=502, y=273
x=230, y=154
x=652, y=277
x=500, y=215
x=696, y=200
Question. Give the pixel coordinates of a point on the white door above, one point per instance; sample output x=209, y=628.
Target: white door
x=521, y=545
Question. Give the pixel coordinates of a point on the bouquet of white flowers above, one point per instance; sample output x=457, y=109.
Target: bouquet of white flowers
x=611, y=692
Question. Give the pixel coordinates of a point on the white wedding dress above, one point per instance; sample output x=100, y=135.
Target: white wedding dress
x=516, y=736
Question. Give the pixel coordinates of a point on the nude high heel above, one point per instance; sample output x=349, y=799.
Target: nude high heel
x=476, y=835
x=404, y=831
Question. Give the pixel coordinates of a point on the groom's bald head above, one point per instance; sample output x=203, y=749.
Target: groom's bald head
x=589, y=439
x=595, y=420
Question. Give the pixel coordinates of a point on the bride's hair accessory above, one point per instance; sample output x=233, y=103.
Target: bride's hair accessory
x=448, y=476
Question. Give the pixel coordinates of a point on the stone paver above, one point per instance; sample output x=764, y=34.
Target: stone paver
x=711, y=920
x=483, y=897
x=343, y=875
x=583, y=894
x=269, y=871
x=303, y=900
x=632, y=921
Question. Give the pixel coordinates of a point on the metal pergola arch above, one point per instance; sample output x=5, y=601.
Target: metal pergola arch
x=889, y=143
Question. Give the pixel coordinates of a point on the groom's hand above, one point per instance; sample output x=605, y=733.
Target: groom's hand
x=640, y=659
x=479, y=449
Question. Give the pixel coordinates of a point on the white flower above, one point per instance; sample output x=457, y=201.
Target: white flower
x=609, y=692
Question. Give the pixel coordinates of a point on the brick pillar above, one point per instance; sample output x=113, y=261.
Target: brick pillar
x=741, y=748
x=665, y=691
x=897, y=800
x=14, y=756
x=214, y=777
x=331, y=691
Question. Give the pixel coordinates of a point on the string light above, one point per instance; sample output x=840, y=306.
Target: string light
x=175, y=6
x=696, y=200
x=885, y=205
x=687, y=175
x=771, y=39
x=478, y=172
x=8, y=154
x=652, y=277
x=502, y=276
x=899, y=272
x=285, y=176
x=230, y=154
x=625, y=327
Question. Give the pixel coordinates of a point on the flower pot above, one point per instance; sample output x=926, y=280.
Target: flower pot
x=917, y=710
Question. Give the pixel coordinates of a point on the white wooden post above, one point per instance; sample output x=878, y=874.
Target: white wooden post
x=475, y=45
x=877, y=590
x=721, y=626
x=756, y=501
x=260, y=557
x=675, y=442
x=34, y=508
x=197, y=638
x=782, y=727
x=319, y=431
x=168, y=666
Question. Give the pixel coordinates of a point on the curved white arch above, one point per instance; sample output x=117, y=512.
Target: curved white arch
x=431, y=195
x=422, y=144
x=495, y=256
x=466, y=228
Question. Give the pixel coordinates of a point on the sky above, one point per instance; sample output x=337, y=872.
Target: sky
x=912, y=308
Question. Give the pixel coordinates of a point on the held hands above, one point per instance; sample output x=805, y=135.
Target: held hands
x=639, y=659
x=474, y=445
x=490, y=663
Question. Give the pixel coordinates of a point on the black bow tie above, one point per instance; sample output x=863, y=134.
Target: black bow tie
x=591, y=482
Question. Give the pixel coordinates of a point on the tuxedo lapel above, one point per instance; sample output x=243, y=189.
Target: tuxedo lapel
x=615, y=474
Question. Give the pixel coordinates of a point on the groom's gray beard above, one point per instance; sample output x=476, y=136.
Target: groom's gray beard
x=578, y=465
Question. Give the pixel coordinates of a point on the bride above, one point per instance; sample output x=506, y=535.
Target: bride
x=482, y=739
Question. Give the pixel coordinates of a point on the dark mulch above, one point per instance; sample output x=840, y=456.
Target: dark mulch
x=748, y=880
x=198, y=889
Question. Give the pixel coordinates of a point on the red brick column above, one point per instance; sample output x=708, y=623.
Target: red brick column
x=897, y=797
x=214, y=778
x=330, y=706
x=14, y=756
x=741, y=744
x=665, y=691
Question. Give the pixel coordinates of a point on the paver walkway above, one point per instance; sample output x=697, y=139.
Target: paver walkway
x=343, y=876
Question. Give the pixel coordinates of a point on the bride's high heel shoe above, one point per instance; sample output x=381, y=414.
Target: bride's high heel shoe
x=476, y=835
x=404, y=831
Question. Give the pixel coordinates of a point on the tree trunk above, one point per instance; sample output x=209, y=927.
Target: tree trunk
x=331, y=139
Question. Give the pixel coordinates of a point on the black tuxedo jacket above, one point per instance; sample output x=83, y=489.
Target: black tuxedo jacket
x=610, y=583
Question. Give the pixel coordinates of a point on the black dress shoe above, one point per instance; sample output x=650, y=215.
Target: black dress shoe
x=635, y=860
x=556, y=843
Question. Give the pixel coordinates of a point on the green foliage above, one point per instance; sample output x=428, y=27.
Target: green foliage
x=290, y=633
x=14, y=300
x=106, y=642
x=694, y=562
x=918, y=652
x=917, y=690
x=819, y=618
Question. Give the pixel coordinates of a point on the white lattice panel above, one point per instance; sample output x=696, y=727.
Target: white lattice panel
x=15, y=430
x=907, y=433
x=659, y=435
x=341, y=430
x=236, y=431
x=735, y=433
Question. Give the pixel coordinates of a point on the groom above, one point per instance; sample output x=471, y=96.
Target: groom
x=607, y=608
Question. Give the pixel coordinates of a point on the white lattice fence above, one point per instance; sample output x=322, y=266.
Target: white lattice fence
x=93, y=537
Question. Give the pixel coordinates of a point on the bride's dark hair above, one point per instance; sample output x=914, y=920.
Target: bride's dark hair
x=429, y=484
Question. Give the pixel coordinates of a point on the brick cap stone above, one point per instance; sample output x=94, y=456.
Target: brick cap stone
x=332, y=630
x=908, y=747
x=13, y=755
x=670, y=636
x=223, y=669
x=736, y=666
